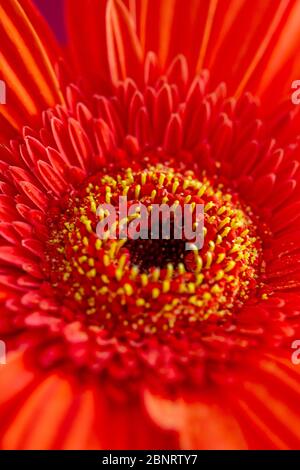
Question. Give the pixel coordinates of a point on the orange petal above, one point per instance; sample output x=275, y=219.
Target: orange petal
x=204, y=424
x=235, y=42
x=15, y=376
x=283, y=65
x=267, y=403
x=36, y=424
x=124, y=50
x=88, y=45
x=27, y=63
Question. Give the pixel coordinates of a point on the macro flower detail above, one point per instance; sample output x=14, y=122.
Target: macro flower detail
x=140, y=343
x=133, y=284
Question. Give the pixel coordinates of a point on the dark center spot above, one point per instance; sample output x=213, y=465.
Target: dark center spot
x=147, y=254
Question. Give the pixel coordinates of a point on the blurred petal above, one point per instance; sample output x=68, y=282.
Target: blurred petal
x=205, y=424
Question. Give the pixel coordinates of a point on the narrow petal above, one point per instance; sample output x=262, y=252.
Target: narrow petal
x=203, y=424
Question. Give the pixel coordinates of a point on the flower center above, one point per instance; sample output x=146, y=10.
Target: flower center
x=146, y=283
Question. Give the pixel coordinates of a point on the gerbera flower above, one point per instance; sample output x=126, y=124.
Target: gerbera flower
x=141, y=344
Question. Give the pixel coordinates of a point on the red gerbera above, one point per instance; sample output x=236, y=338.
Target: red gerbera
x=141, y=344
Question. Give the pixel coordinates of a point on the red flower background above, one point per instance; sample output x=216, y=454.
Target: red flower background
x=140, y=345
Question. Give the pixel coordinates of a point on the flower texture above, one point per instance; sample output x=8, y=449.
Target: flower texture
x=141, y=343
